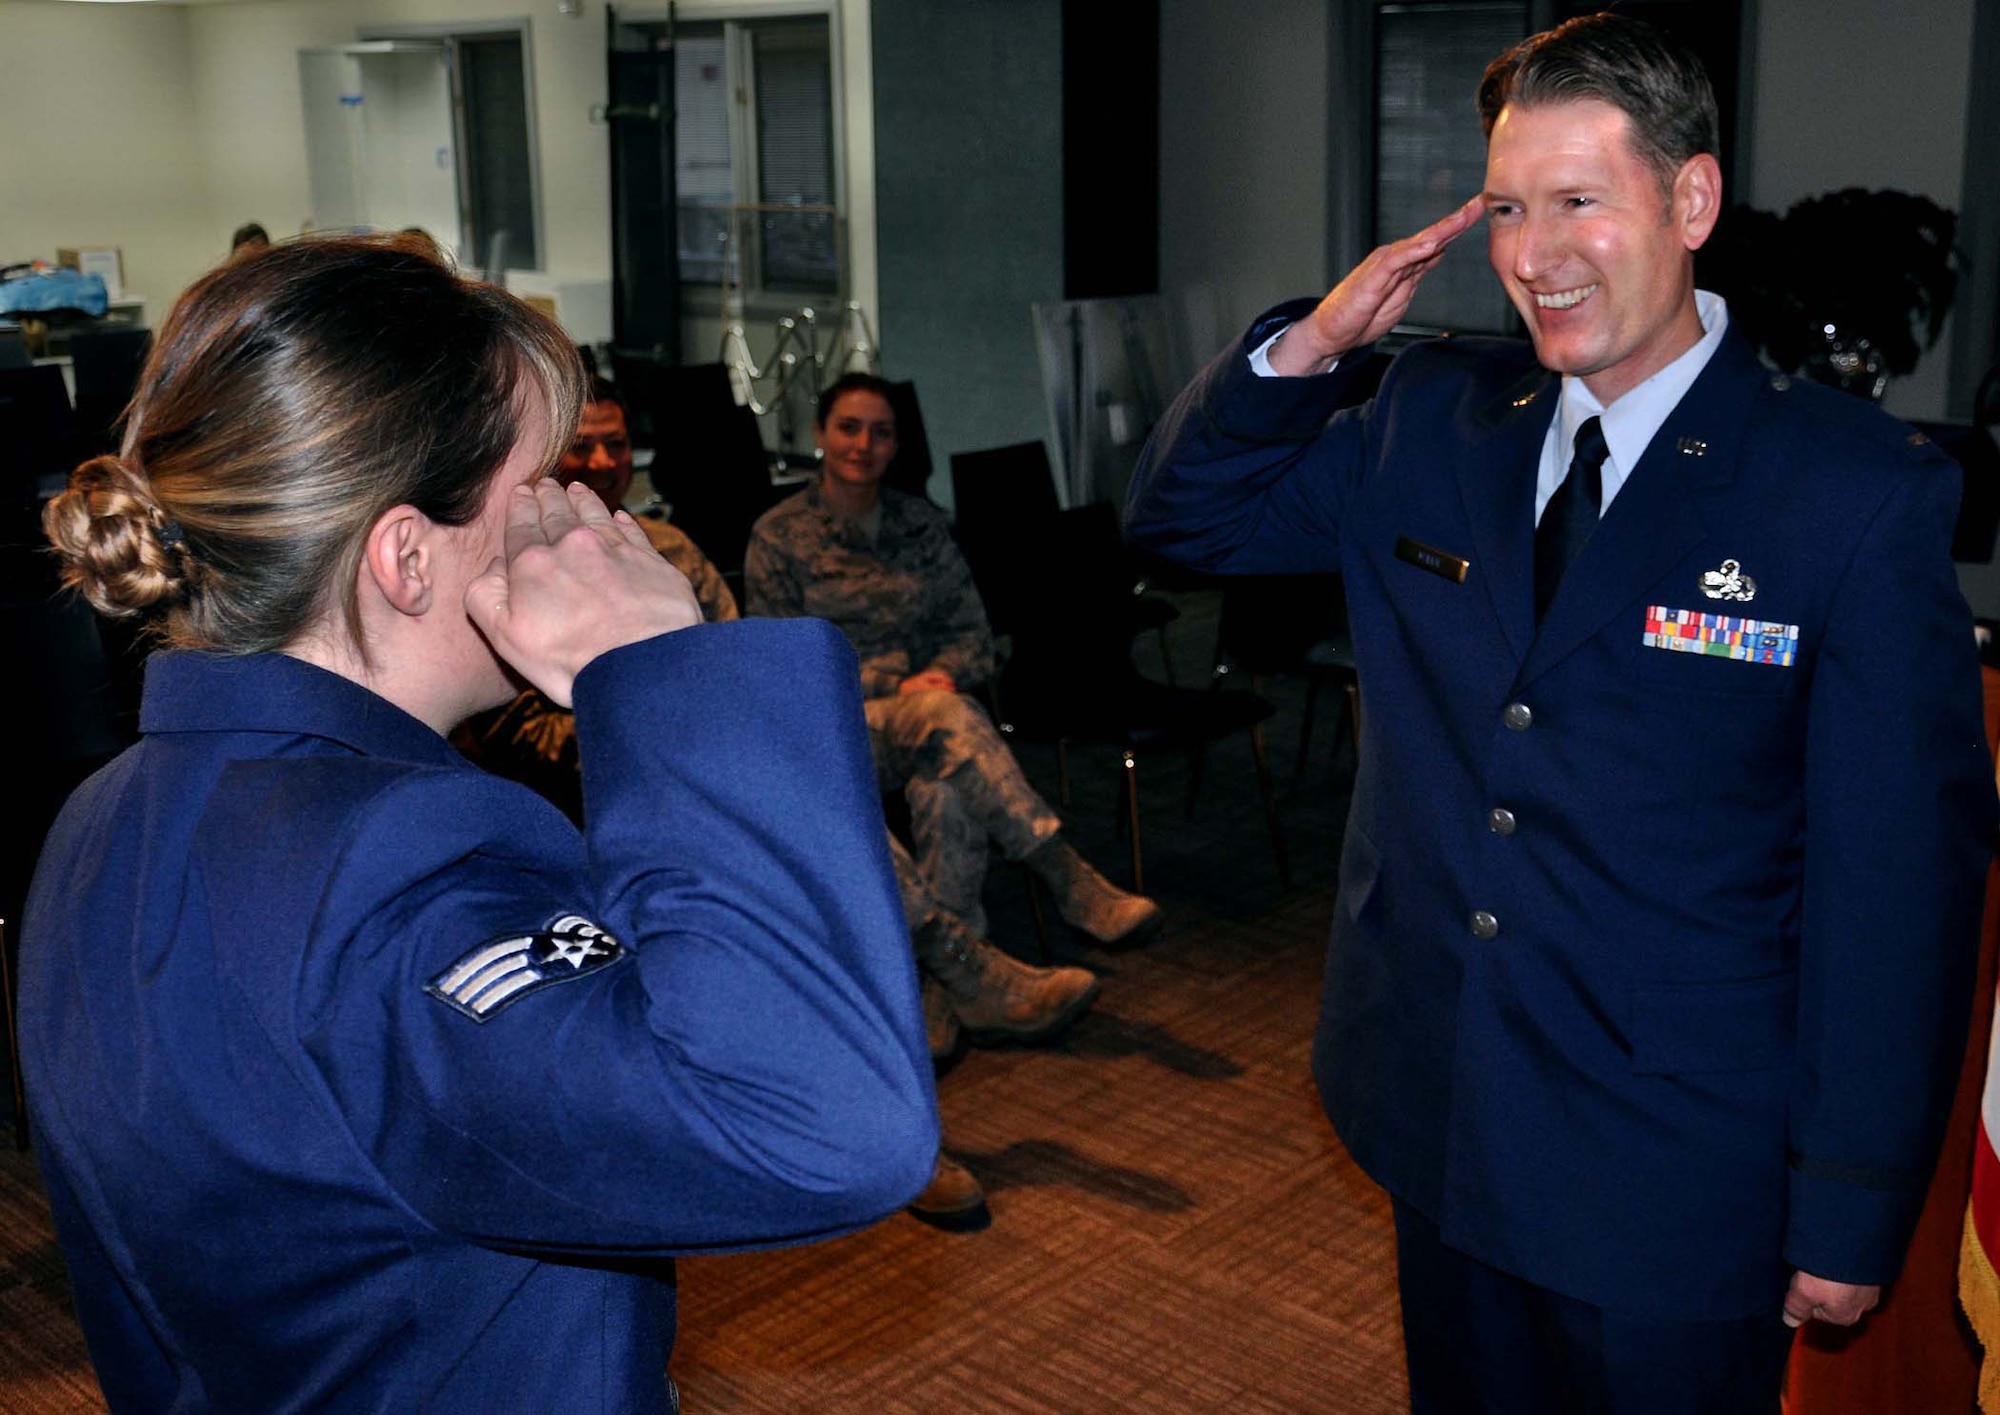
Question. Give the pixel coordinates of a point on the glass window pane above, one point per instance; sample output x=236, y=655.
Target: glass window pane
x=795, y=154
x=1429, y=152
x=706, y=186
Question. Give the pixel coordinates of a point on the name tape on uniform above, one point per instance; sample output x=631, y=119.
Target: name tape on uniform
x=1429, y=557
x=1721, y=636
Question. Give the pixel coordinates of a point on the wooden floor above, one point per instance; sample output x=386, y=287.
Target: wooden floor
x=1175, y=1228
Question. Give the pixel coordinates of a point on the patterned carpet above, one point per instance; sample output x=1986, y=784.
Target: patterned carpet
x=1175, y=1228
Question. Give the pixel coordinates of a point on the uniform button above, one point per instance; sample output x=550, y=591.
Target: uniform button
x=1500, y=820
x=1484, y=925
x=1517, y=716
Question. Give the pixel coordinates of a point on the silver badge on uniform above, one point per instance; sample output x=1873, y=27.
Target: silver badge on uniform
x=1728, y=582
x=504, y=970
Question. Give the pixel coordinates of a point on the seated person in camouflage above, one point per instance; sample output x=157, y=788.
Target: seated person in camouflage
x=882, y=567
x=531, y=740
x=600, y=456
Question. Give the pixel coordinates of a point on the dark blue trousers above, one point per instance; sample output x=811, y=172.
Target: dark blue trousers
x=1483, y=1342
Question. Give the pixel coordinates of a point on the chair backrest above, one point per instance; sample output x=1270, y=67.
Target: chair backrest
x=637, y=380
x=1007, y=517
x=709, y=461
x=1267, y=622
x=14, y=350
x=38, y=442
x=910, y=469
x=1986, y=400
x=106, y=363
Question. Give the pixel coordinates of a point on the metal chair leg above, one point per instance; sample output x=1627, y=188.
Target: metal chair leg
x=1278, y=855
x=1130, y=776
x=1306, y=721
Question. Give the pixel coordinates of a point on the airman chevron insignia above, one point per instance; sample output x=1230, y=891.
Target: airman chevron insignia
x=504, y=970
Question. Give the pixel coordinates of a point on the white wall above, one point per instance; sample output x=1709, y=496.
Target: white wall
x=1243, y=121
x=163, y=127
x=253, y=132
x=97, y=104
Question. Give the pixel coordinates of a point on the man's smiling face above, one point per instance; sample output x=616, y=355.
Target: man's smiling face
x=1593, y=247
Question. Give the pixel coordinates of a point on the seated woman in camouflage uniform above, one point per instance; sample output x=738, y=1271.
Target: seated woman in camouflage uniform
x=882, y=566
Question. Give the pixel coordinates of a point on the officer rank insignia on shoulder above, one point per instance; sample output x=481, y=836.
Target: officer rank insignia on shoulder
x=1721, y=636
x=504, y=970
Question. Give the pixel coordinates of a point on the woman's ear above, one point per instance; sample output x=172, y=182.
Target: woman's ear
x=399, y=559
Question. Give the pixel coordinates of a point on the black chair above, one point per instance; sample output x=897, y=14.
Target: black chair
x=709, y=462
x=106, y=364
x=38, y=439
x=1288, y=624
x=1986, y=401
x=14, y=350
x=1978, y=457
x=61, y=714
x=1008, y=517
x=1070, y=679
x=910, y=469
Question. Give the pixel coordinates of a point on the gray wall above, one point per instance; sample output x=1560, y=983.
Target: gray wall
x=1243, y=118
x=1843, y=93
x=1856, y=93
x=968, y=191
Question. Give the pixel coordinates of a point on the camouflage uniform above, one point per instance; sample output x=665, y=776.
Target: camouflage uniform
x=533, y=741
x=901, y=593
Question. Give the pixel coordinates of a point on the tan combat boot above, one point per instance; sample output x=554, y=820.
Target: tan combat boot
x=995, y=997
x=952, y=1200
x=1088, y=901
x=940, y=1022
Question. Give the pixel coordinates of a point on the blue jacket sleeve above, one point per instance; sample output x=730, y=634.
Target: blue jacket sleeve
x=748, y=1068
x=1249, y=475
x=1899, y=829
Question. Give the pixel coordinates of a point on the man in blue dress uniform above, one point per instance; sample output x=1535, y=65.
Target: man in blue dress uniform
x=1659, y=895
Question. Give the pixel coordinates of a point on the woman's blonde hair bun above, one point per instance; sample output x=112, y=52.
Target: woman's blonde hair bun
x=121, y=550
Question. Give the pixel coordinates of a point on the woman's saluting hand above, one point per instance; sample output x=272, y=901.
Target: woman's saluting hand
x=575, y=582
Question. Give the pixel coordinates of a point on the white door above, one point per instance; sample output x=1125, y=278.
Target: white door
x=381, y=149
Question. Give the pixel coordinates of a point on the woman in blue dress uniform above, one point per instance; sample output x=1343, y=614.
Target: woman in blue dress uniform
x=361, y=1079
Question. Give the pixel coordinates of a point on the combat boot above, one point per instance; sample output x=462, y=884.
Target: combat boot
x=1088, y=901
x=996, y=998
x=952, y=1200
x=941, y=1029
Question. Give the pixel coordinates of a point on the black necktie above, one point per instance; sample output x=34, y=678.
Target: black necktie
x=1571, y=514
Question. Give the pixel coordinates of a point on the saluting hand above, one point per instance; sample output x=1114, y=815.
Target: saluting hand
x=575, y=582
x=1376, y=293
